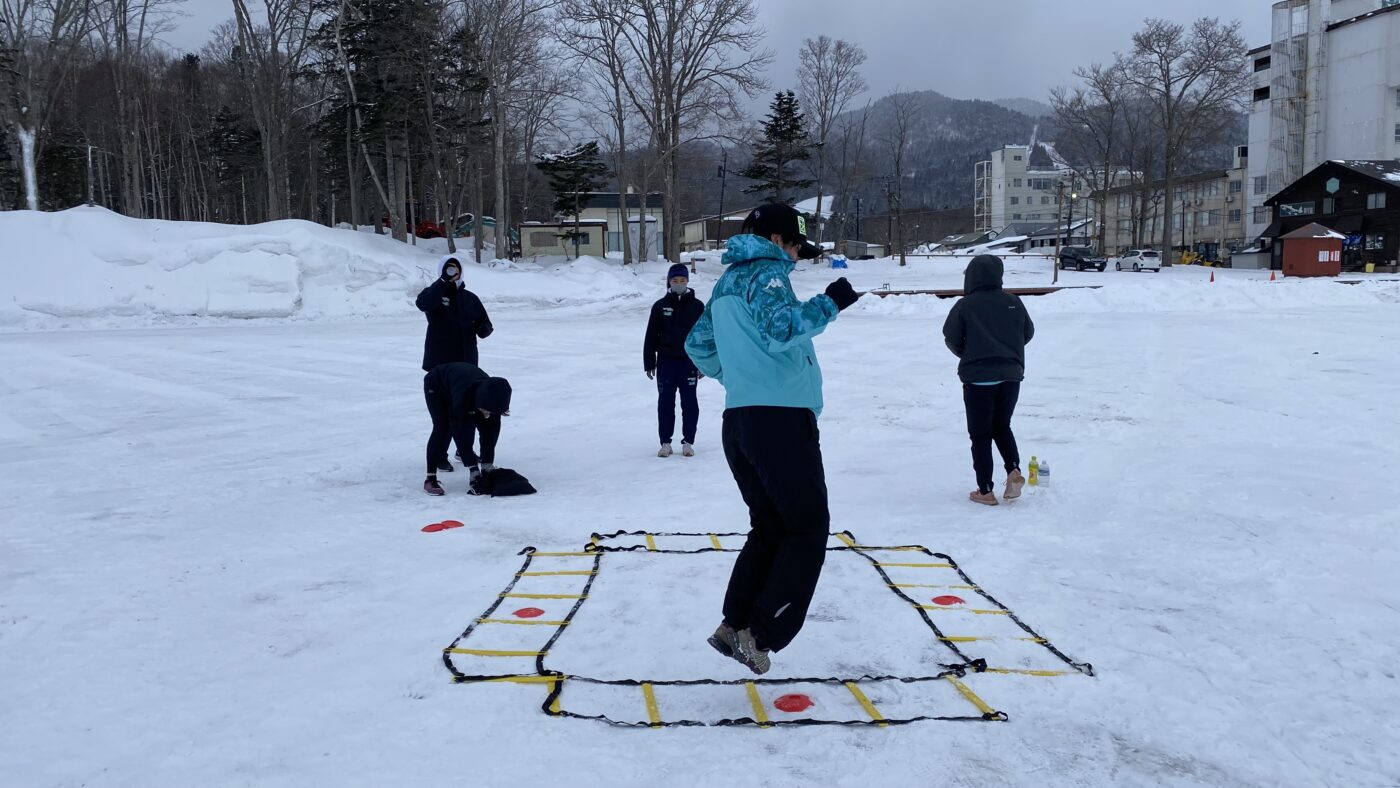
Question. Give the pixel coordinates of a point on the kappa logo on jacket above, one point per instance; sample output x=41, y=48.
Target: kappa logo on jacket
x=775, y=284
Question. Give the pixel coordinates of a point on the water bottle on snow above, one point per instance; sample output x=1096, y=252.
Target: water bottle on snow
x=1044, y=473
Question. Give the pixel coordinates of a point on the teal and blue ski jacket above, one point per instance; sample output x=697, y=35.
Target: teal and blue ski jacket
x=755, y=337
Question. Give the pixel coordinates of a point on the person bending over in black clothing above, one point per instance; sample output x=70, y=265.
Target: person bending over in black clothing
x=462, y=400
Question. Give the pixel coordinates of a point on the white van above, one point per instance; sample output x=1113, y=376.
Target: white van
x=1139, y=260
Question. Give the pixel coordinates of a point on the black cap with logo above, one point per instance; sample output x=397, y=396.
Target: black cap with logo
x=785, y=222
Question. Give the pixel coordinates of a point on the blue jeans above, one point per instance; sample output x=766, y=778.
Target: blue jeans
x=677, y=375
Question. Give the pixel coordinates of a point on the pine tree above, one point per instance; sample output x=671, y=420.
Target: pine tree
x=572, y=174
x=784, y=144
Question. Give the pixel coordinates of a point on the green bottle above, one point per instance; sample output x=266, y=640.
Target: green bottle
x=1034, y=479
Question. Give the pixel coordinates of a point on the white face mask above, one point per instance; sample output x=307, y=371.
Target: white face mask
x=453, y=274
x=680, y=288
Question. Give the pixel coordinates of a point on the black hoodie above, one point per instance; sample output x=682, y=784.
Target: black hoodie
x=465, y=389
x=988, y=328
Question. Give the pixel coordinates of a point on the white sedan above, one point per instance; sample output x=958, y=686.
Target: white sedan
x=1139, y=260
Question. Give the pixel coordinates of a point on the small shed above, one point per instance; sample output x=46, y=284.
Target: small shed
x=1312, y=250
x=538, y=239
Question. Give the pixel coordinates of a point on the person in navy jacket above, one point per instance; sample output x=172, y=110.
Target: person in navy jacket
x=665, y=360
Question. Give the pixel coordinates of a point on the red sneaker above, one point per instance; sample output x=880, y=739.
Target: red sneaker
x=431, y=486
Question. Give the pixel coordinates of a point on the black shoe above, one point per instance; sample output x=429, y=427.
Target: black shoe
x=445, y=466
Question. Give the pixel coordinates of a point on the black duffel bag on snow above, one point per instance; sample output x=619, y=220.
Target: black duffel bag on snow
x=499, y=482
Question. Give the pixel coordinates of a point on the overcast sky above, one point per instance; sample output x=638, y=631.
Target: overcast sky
x=962, y=48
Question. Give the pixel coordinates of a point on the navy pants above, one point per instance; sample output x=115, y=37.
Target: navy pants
x=775, y=455
x=677, y=375
x=989, y=410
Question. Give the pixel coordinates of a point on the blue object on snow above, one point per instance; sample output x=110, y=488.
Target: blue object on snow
x=837, y=261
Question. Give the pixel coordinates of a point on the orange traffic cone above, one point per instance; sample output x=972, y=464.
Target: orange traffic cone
x=1273, y=276
x=1212, y=277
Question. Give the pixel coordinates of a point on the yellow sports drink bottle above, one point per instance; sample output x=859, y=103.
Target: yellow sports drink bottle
x=1034, y=479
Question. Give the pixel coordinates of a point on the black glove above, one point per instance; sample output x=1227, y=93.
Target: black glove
x=842, y=293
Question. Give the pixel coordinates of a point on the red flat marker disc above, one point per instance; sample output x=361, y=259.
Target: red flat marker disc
x=949, y=600
x=529, y=612
x=434, y=528
x=793, y=703
x=451, y=524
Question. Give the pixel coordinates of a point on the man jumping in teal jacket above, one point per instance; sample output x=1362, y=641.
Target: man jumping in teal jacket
x=755, y=338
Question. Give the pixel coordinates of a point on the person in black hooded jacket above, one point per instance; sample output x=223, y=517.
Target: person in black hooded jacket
x=664, y=359
x=456, y=318
x=463, y=399
x=988, y=330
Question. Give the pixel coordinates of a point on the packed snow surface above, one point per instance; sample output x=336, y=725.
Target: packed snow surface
x=212, y=569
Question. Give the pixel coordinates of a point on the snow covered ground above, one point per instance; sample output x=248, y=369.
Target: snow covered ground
x=212, y=569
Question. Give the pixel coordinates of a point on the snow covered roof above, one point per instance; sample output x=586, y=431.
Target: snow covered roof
x=809, y=206
x=1380, y=169
x=1314, y=230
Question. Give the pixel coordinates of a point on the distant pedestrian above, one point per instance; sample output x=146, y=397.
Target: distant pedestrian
x=987, y=330
x=755, y=338
x=463, y=400
x=456, y=319
x=665, y=360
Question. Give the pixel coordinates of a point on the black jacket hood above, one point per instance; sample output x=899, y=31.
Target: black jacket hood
x=493, y=396
x=983, y=273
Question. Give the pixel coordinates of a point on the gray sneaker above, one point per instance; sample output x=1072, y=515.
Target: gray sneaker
x=747, y=652
x=723, y=640
x=666, y=450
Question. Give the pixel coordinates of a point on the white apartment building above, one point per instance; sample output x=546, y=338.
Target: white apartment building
x=1326, y=87
x=1006, y=190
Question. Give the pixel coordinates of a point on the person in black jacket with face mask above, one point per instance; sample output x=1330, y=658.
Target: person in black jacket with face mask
x=456, y=318
x=665, y=360
x=988, y=330
x=463, y=399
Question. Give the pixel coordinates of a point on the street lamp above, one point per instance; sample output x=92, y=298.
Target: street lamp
x=1073, y=195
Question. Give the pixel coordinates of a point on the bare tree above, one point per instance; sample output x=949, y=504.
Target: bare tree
x=1192, y=80
x=1091, y=123
x=39, y=41
x=273, y=54
x=537, y=104
x=903, y=109
x=127, y=30
x=510, y=33
x=592, y=31
x=691, y=60
x=827, y=80
x=851, y=160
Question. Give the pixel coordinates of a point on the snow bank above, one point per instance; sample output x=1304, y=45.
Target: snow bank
x=91, y=267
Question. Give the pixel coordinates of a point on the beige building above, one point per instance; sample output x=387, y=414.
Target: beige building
x=607, y=207
x=1208, y=218
x=556, y=239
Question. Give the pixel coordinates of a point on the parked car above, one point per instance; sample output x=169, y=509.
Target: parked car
x=1139, y=260
x=1081, y=258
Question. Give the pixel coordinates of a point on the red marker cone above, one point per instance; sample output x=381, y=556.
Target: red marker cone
x=1272, y=276
x=1212, y=277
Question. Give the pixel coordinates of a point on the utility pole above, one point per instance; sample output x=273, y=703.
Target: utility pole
x=723, y=173
x=857, y=218
x=1059, y=214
